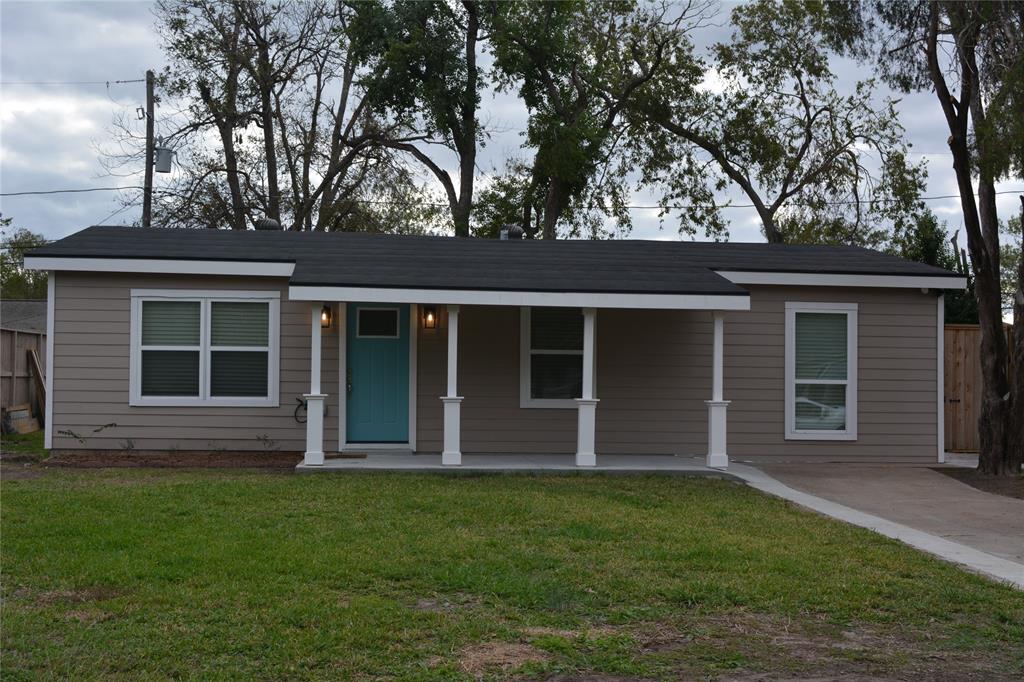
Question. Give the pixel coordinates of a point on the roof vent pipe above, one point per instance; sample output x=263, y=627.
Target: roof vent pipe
x=267, y=224
x=503, y=233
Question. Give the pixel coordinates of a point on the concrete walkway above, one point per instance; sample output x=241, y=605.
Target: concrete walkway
x=923, y=508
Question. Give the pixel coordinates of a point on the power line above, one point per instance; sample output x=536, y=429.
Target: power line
x=388, y=202
x=65, y=191
x=106, y=83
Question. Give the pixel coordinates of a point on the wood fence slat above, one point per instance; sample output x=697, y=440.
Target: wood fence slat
x=962, y=383
x=17, y=385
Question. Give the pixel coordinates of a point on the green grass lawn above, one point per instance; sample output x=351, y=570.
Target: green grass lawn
x=23, y=446
x=157, y=573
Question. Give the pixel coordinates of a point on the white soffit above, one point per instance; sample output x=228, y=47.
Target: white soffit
x=161, y=266
x=521, y=298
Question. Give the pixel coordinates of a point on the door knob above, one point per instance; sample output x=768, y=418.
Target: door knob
x=348, y=380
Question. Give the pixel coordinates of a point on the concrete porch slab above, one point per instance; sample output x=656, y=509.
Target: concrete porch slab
x=498, y=463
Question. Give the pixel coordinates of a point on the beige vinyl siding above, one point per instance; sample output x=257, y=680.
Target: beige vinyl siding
x=91, y=374
x=896, y=376
x=654, y=374
x=652, y=367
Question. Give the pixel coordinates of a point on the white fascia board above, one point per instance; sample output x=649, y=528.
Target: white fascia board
x=808, y=279
x=161, y=266
x=552, y=299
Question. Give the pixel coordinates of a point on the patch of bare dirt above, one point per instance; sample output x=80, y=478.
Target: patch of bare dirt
x=20, y=472
x=813, y=649
x=77, y=596
x=1007, y=486
x=650, y=637
x=595, y=678
x=478, y=659
x=541, y=631
x=449, y=604
x=86, y=617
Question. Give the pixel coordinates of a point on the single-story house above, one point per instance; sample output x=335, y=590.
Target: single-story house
x=223, y=341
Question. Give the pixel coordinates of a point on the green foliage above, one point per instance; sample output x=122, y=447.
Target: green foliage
x=232, y=574
x=773, y=120
x=15, y=280
x=994, y=28
x=1009, y=260
x=417, y=61
x=928, y=242
x=578, y=67
x=507, y=198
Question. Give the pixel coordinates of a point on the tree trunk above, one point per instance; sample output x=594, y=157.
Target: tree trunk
x=467, y=117
x=269, y=146
x=224, y=118
x=234, y=186
x=981, y=226
x=554, y=204
x=1015, y=430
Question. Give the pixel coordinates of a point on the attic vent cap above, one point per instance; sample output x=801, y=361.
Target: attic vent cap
x=511, y=232
x=267, y=224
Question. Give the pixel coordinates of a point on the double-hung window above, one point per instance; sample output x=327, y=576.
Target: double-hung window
x=204, y=348
x=551, y=357
x=821, y=371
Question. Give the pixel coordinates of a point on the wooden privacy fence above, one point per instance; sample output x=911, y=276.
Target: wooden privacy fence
x=21, y=380
x=962, y=346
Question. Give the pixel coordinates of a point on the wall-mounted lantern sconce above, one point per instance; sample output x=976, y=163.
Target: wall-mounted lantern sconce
x=429, y=317
x=326, y=316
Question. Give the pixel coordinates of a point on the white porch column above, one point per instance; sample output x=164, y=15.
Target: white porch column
x=314, y=399
x=717, y=455
x=585, y=455
x=451, y=455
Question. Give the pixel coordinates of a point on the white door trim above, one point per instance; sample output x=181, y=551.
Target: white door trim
x=940, y=376
x=51, y=293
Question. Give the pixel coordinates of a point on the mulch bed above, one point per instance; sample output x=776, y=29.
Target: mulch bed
x=206, y=460
x=997, y=485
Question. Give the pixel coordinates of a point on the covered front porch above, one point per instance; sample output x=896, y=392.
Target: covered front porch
x=515, y=463
x=440, y=440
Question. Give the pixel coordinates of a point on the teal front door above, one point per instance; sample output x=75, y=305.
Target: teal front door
x=378, y=373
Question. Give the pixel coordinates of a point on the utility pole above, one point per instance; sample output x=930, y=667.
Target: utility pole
x=147, y=198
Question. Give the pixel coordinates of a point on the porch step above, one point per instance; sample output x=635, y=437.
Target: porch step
x=358, y=453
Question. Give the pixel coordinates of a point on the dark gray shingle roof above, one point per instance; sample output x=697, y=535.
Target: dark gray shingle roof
x=375, y=260
x=23, y=315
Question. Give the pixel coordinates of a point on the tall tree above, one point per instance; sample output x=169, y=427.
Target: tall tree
x=424, y=71
x=273, y=121
x=578, y=66
x=15, y=280
x=816, y=163
x=971, y=55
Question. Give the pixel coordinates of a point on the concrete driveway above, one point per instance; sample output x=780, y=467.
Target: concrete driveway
x=917, y=497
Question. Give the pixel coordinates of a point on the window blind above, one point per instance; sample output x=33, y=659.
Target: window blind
x=556, y=329
x=238, y=373
x=821, y=346
x=170, y=323
x=821, y=357
x=239, y=324
x=170, y=373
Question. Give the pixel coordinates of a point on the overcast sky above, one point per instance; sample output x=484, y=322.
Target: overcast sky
x=50, y=134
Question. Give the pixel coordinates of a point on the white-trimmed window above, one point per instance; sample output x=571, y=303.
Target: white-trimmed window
x=550, y=357
x=821, y=371
x=204, y=347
